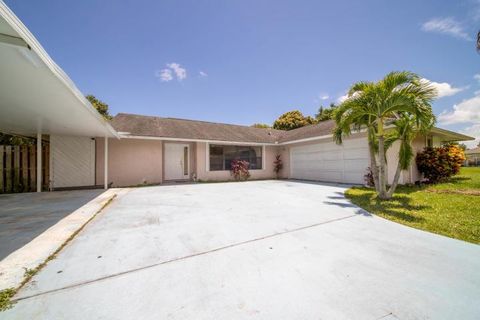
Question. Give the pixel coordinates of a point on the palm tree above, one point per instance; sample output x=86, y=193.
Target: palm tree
x=406, y=128
x=379, y=106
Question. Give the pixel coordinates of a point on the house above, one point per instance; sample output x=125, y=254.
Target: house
x=38, y=99
x=472, y=157
x=158, y=150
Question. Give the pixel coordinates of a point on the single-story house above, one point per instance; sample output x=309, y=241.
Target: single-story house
x=472, y=157
x=158, y=150
x=38, y=99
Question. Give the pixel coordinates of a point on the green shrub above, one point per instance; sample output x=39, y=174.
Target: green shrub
x=440, y=163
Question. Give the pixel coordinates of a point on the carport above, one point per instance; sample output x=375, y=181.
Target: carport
x=39, y=100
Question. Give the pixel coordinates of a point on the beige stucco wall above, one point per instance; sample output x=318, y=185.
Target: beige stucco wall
x=130, y=161
x=206, y=175
x=137, y=161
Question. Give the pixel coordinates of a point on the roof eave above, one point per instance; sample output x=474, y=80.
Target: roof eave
x=36, y=47
x=130, y=136
x=451, y=135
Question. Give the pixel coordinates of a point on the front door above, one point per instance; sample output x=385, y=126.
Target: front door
x=176, y=161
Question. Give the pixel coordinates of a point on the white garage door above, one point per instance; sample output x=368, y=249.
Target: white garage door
x=72, y=161
x=327, y=161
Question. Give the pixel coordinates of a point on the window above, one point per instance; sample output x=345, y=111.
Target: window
x=221, y=156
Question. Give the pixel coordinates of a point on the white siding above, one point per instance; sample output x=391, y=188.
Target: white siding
x=327, y=161
x=72, y=161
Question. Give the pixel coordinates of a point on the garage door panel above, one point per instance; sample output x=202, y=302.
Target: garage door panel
x=330, y=165
x=330, y=162
x=332, y=155
x=353, y=177
x=356, y=153
x=354, y=165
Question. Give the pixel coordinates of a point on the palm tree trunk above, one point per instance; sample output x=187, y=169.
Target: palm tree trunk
x=381, y=155
x=373, y=166
x=395, y=182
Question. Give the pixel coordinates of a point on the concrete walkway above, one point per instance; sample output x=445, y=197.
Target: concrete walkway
x=34, y=225
x=253, y=250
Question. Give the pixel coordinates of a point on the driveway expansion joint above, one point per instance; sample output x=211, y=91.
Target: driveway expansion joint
x=119, y=274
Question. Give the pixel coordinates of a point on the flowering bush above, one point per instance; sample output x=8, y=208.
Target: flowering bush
x=277, y=165
x=239, y=169
x=440, y=163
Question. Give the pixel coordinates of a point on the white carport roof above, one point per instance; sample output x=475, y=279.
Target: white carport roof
x=36, y=96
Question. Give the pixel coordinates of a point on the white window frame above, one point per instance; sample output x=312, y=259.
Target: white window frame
x=207, y=155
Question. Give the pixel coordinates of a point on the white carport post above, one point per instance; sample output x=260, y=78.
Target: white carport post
x=105, y=171
x=39, y=162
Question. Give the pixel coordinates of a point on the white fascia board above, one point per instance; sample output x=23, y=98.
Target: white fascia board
x=455, y=136
x=198, y=140
x=305, y=140
x=35, y=46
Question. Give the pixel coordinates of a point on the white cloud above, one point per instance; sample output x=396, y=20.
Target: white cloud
x=448, y=26
x=203, y=74
x=467, y=111
x=173, y=70
x=444, y=89
x=477, y=77
x=180, y=72
x=164, y=75
x=473, y=131
x=323, y=96
x=342, y=98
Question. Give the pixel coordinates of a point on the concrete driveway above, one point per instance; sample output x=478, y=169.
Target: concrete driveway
x=24, y=216
x=253, y=250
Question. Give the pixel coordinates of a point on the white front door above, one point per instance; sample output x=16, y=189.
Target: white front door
x=177, y=159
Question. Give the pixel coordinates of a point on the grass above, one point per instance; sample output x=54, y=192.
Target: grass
x=451, y=209
x=5, y=298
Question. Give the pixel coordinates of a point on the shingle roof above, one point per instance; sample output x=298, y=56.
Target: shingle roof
x=139, y=125
x=473, y=151
x=315, y=130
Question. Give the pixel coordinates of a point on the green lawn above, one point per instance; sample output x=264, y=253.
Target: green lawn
x=451, y=209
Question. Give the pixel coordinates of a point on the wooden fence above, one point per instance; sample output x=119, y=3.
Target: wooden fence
x=18, y=168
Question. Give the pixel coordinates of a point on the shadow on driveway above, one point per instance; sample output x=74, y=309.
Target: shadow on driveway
x=24, y=216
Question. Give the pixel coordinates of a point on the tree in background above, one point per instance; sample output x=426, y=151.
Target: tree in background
x=292, y=120
x=462, y=146
x=400, y=99
x=260, y=125
x=325, y=114
x=101, y=106
x=12, y=140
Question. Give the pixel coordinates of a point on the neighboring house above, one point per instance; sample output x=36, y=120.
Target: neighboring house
x=472, y=157
x=38, y=99
x=157, y=150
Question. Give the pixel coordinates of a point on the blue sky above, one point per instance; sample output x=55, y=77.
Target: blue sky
x=249, y=61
